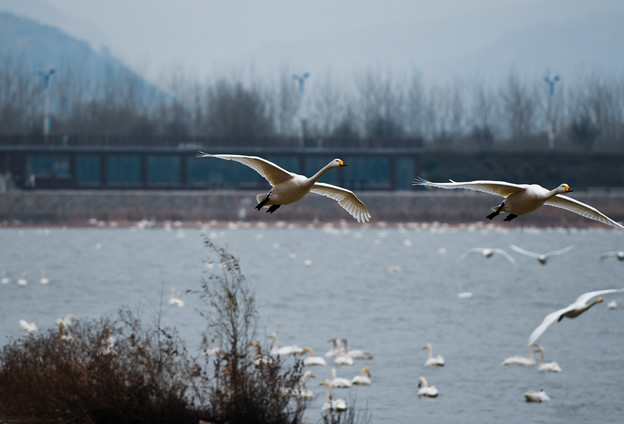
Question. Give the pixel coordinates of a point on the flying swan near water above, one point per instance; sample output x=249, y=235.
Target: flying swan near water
x=542, y=258
x=488, y=253
x=573, y=310
x=521, y=199
x=289, y=187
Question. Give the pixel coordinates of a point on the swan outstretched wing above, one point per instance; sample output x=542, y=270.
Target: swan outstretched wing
x=506, y=255
x=524, y=252
x=561, y=251
x=469, y=251
x=607, y=254
x=270, y=171
x=573, y=205
x=500, y=188
x=554, y=316
x=345, y=198
x=549, y=319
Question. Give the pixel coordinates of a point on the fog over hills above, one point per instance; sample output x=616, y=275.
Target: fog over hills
x=480, y=39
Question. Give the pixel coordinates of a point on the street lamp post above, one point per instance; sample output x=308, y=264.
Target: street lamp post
x=551, y=130
x=46, y=107
x=301, y=81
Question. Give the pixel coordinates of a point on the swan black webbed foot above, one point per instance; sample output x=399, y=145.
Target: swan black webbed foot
x=496, y=212
x=510, y=217
x=264, y=201
x=273, y=208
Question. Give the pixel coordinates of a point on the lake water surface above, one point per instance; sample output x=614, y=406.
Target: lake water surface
x=348, y=291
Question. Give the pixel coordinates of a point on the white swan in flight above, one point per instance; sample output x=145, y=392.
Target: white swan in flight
x=542, y=258
x=618, y=254
x=521, y=199
x=289, y=187
x=355, y=353
x=461, y=294
x=29, y=327
x=573, y=310
x=425, y=389
x=540, y=396
x=285, y=350
x=330, y=405
x=363, y=379
x=488, y=253
x=312, y=360
x=546, y=366
x=438, y=361
x=528, y=361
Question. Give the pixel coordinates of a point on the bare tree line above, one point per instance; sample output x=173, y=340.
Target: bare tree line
x=514, y=113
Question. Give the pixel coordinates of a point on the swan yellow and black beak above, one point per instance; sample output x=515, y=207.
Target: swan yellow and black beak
x=568, y=189
x=341, y=163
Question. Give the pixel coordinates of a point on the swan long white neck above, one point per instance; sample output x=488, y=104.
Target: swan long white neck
x=430, y=349
x=542, y=357
x=274, y=348
x=314, y=178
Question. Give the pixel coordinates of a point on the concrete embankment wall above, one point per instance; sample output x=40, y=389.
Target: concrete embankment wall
x=76, y=207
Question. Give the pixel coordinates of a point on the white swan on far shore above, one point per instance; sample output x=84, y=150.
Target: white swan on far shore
x=425, y=389
x=521, y=360
x=546, y=366
x=363, y=379
x=573, y=310
x=542, y=258
x=540, y=396
x=285, y=350
x=289, y=187
x=312, y=360
x=438, y=361
x=521, y=199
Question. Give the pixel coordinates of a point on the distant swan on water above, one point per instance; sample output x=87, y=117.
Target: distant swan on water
x=540, y=396
x=521, y=360
x=521, y=199
x=438, y=361
x=363, y=379
x=546, y=366
x=285, y=350
x=425, y=389
x=29, y=327
x=289, y=187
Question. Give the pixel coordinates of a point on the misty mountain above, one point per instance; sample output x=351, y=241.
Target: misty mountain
x=39, y=47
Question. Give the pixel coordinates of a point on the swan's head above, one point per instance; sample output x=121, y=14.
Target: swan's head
x=539, y=349
x=422, y=382
x=308, y=350
x=336, y=163
x=366, y=371
x=564, y=188
x=428, y=346
x=272, y=336
x=326, y=383
x=308, y=374
x=599, y=300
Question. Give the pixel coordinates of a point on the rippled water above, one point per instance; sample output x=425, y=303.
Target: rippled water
x=347, y=291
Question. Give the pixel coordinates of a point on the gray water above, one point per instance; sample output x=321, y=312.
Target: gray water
x=348, y=291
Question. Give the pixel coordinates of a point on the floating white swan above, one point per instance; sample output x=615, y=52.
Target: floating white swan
x=573, y=310
x=289, y=187
x=541, y=257
x=618, y=254
x=488, y=253
x=283, y=351
x=334, y=349
x=22, y=281
x=546, y=366
x=29, y=327
x=363, y=379
x=312, y=360
x=330, y=405
x=107, y=344
x=303, y=392
x=259, y=358
x=521, y=360
x=44, y=280
x=540, y=396
x=63, y=334
x=339, y=382
x=461, y=294
x=5, y=279
x=341, y=357
x=438, y=361
x=176, y=298
x=355, y=353
x=612, y=305
x=521, y=199
x=425, y=389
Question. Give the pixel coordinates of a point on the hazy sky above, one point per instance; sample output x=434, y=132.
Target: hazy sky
x=203, y=36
